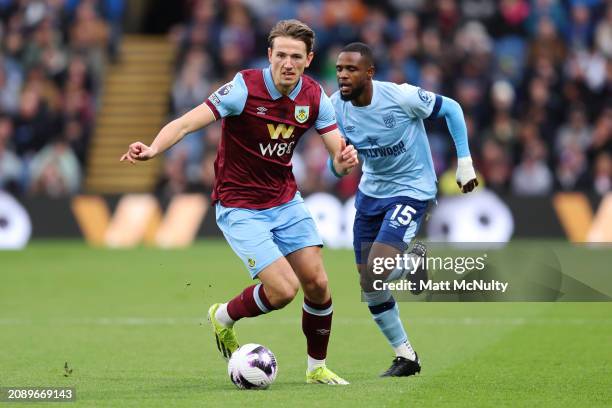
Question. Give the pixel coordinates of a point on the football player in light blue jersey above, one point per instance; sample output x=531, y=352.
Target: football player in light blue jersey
x=384, y=122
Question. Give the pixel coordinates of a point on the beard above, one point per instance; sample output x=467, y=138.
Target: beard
x=355, y=93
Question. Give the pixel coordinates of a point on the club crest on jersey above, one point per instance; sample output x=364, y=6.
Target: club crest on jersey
x=251, y=263
x=389, y=120
x=302, y=113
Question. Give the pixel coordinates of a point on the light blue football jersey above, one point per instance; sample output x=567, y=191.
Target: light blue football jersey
x=390, y=137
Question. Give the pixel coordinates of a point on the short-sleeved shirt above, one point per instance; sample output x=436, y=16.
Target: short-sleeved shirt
x=390, y=138
x=260, y=130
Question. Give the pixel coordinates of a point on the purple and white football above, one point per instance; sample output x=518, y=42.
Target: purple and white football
x=252, y=367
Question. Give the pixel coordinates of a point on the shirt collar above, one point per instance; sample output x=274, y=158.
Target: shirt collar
x=274, y=93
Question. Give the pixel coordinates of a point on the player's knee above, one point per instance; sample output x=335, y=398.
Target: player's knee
x=316, y=287
x=373, y=271
x=282, y=294
x=366, y=282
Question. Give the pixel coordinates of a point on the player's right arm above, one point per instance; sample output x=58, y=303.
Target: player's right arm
x=226, y=101
x=197, y=118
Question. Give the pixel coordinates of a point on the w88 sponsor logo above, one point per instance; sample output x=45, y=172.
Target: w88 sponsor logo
x=276, y=149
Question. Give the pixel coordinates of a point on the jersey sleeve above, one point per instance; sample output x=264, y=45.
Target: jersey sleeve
x=416, y=102
x=229, y=100
x=337, y=110
x=326, y=121
x=453, y=113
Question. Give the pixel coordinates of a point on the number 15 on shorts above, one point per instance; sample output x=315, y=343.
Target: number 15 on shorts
x=402, y=214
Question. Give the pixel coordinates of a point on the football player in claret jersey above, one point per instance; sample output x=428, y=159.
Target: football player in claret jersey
x=384, y=121
x=258, y=207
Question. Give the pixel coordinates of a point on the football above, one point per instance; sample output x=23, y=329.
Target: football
x=252, y=367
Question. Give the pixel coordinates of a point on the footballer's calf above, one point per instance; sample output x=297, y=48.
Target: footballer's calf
x=282, y=278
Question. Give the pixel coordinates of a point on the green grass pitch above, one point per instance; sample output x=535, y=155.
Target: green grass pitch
x=130, y=324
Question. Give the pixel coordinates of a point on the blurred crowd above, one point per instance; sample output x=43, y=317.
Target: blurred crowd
x=52, y=60
x=534, y=78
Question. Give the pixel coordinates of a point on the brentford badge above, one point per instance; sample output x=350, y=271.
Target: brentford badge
x=301, y=113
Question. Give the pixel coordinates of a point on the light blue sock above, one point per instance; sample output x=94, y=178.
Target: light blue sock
x=386, y=315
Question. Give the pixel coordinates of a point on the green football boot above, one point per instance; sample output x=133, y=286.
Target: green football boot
x=323, y=375
x=226, y=339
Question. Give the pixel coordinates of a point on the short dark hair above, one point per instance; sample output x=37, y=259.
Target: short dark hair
x=294, y=29
x=362, y=49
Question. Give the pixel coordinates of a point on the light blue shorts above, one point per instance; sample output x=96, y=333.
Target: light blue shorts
x=260, y=237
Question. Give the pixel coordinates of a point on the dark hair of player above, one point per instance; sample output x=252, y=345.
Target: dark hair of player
x=293, y=29
x=363, y=49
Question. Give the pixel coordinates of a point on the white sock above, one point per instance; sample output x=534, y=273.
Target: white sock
x=405, y=350
x=314, y=363
x=223, y=317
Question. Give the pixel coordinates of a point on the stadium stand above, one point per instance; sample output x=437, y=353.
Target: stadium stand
x=534, y=79
x=52, y=63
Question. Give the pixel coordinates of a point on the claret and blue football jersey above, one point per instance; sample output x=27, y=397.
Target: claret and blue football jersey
x=261, y=128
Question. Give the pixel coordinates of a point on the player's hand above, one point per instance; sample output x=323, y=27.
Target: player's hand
x=138, y=151
x=466, y=176
x=346, y=158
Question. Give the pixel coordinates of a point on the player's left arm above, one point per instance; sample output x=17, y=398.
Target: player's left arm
x=421, y=104
x=342, y=158
x=452, y=112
